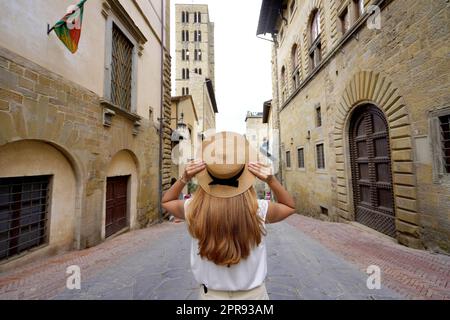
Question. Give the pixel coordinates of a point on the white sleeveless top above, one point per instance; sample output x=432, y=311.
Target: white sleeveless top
x=246, y=275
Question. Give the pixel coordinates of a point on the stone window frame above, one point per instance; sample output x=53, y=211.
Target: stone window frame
x=440, y=176
x=315, y=44
x=353, y=12
x=296, y=65
x=320, y=170
x=283, y=84
x=116, y=15
x=303, y=169
x=288, y=163
x=318, y=117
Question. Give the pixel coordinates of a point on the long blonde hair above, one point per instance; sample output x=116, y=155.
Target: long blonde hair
x=226, y=228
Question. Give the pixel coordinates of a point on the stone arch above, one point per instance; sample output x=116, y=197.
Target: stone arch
x=38, y=158
x=124, y=163
x=372, y=87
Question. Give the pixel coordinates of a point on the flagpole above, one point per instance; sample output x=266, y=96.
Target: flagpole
x=49, y=29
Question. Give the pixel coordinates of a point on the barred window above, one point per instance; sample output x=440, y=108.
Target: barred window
x=444, y=122
x=23, y=214
x=122, y=69
x=320, y=156
x=301, y=158
x=288, y=159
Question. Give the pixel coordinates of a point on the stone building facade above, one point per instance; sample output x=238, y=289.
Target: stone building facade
x=186, y=139
x=362, y=91
x=79, y=162
x=257, y=134
x=195, y=60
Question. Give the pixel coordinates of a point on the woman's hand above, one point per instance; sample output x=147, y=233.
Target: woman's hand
x=261, y=171
x=192, y=168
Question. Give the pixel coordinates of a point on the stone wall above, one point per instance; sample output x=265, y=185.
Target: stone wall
x=38, y=105
x=402, y=68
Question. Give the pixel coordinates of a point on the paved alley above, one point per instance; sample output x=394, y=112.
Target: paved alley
x=308, y=259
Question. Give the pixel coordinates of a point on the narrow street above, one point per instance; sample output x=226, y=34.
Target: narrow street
x=308, y=259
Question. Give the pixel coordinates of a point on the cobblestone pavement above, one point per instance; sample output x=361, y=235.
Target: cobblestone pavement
x=308, y=259
x=416, y=274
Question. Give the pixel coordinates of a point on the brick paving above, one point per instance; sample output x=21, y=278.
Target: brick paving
x=307, y=259
x=416, y=274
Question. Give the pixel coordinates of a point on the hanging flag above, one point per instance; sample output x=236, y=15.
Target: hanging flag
x=68, y=29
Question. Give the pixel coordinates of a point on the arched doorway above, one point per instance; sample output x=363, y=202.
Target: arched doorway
x=121, y=189
x=371, y=170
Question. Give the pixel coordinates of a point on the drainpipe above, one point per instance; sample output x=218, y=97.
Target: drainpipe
x=161, y=118
x=280, y=164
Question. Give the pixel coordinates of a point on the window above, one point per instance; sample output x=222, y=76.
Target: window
x=315, y=54
x=184, y=17
x=200, y=71
x=185, y=74
x=23, y=214
x=183, y=55
x=185, y=91
x=295, y=66
x=198, y=55
x=320, y=156
x=121, y=69
x=184, y=35
x=444, y=122
x=288, y=159
x=292, y=7
x=197, y=17
x=283, y=84
x=301, y=157
x=360, y=7
x=197, y=36
x=345, y=21
x=315, y=26
x=318, y=116
x=187, y=54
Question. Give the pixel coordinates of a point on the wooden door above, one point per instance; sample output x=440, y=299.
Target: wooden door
x=116, y=205
x=371, y=170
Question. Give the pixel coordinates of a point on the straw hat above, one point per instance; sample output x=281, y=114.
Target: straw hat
x=226, y=155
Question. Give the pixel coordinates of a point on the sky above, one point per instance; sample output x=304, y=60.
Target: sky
x=243, y=67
